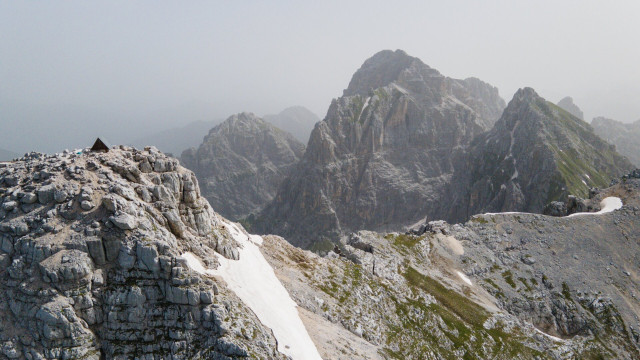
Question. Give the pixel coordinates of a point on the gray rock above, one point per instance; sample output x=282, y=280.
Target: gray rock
x=124, y=221
x=9, y=206
x=87, y=205
x=29, y=198
x=60, y=196
x=45, y=194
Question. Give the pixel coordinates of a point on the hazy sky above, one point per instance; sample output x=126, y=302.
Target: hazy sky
x=68, y=69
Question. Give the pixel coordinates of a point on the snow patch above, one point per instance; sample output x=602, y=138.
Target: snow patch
x=584, y=182
x=252, y=279
x=607, y=205
x=464, y=278
x=366, y=103
x=549, y=336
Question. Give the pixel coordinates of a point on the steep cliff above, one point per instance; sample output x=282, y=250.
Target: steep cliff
x=383, y=153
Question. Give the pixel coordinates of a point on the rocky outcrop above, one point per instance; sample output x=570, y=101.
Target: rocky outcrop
x=536, y=153
x=297, y=120
x=384, y=152
x=90, y=264
x=501, y=286
x=567, y=104
x=241, y=163
x=626, y=137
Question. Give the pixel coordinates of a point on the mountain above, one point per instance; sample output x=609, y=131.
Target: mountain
x=176, y=140
x=241, y=163
x=384, y=152
x=297, y=120
x=536, y=153
x=501, y=286
x=6, y=155
x=567, y=104
x=626, y=137
x=96, y=263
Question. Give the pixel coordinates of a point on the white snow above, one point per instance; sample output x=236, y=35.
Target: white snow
x=549, y=336
x=607, y=205
x=588, y=177
x=464, y=278
x=584, y=182
x=366, y=103
x=252, y=279
x=506, y=213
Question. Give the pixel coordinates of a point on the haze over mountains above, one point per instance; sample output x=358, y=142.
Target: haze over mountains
x=442, y=207
x=104, y=254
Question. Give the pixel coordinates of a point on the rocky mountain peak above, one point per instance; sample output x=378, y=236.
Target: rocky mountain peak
x=380, y=70
x=536, y=153
x=388, y=142
x=568, y=104
x=241, y=162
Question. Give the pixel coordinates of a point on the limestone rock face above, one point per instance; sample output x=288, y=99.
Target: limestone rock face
x=241, y=162
x=536, y=153
x=626, y=137
x=107, y=281
x=384, y=151
x=567, y=104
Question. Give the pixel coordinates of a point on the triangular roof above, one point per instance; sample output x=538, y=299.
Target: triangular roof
x=100, y=145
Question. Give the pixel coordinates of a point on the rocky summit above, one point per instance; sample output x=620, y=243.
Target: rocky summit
x=536, y=153
x=91, y=266
x=573, y=109
x=383, y=154
x=297, y=120
x=241, y=163
x=626, y=137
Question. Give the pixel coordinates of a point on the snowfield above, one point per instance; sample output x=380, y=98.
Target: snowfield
x=464, y=278
x=252, y=279
x=607, y=205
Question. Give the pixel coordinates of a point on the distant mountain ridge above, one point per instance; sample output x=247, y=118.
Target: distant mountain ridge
x=297, y=120
x=626, y=137
x=241, y=163
x=568, y=104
